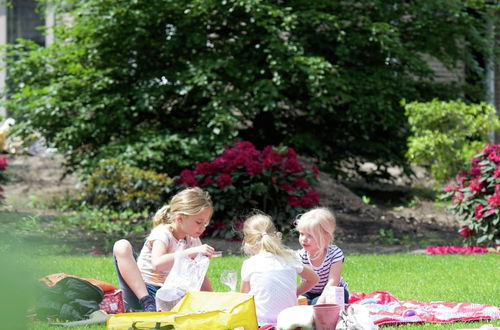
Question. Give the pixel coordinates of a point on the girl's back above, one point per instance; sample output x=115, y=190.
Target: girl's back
x=273, y=282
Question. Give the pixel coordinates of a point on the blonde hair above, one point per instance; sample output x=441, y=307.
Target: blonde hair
x=320, y=224
x=260, y=234
x=188, y=201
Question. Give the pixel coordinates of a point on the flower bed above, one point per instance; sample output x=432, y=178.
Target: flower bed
x=475, y=197
x=244, y=178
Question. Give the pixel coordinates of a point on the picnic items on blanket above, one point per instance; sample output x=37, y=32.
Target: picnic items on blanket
x=70, y=298
x=186, y=275
x=197, y=310
x=301, y=300
x=335, y=295
x=385, y=308
x=355, y=317
x=300, y=316
x=52, y=279
x=229, y=278
x=326, y=316
x=112, y=301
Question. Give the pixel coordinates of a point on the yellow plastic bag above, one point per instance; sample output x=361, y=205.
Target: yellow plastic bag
x=197, y=310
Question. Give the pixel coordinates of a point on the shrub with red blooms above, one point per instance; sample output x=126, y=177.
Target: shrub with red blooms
x=3, y=174
x=243, y=178
x=475, y=196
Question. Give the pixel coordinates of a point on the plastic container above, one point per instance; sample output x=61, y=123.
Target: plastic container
x=326, y=316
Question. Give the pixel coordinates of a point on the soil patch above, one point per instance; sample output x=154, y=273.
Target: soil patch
x=378, y=227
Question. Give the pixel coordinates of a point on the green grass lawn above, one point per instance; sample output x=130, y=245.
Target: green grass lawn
x=472, y=278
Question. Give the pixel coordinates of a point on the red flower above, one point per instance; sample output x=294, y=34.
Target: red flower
x=310, y=199
x=315, y=170
x=494, y=200
x=254, y=168
x=3, y=163
x=475, y=185
x=224, y=180
x=287, y=187
x=476, y=168
x=206, y=168
x=451, y=187
x=207, y=182
x=495, y=156
x=478, y=211
x=293, y=166
x=301, y=183
x=271, y=159
x=187, y=179
x=461, y=177
x=291, y=153
x=293, y=201
x=458, y=198
x=496, y=174
x=465, y=231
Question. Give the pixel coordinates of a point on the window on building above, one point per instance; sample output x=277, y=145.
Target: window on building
x=23, y=21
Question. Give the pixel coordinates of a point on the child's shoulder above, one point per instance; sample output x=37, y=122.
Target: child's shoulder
x=333, y=247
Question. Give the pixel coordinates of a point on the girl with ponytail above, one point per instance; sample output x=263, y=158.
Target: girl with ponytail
x=183, y=220
x=270, y=274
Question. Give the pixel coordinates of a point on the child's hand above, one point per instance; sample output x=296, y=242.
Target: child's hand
x=204, y=249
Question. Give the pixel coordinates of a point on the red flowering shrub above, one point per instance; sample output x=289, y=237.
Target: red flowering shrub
x=475, y=196
x=243, y=178
x=3, y=174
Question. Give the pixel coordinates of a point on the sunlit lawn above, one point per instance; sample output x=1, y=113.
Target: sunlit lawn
x=472, y=278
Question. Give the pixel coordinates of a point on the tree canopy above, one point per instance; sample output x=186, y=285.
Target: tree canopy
x=162, y=84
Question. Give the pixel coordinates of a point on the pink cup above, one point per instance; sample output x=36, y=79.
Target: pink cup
x=326, y=316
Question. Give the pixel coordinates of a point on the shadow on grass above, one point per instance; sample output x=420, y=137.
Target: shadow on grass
x=50, y=236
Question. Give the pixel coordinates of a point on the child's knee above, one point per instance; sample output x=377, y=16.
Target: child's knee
x=122, y=247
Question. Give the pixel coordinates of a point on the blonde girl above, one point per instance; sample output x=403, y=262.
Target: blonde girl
x=270, y=274
x=184, y=219
x=316, y=228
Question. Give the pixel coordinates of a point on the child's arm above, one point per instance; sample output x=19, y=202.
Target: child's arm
x=309, y=280
x=204, y=249
x=334, y=276
x=162, y=260
x=245, y=287
x=333, y=279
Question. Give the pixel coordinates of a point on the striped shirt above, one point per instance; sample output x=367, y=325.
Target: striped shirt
x=333, y=255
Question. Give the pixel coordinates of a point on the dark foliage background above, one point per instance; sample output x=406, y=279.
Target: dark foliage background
x=163, y=84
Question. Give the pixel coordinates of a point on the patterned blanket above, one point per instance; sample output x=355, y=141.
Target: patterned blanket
x=385, y=308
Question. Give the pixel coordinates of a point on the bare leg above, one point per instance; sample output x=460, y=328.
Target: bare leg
x=128, y=269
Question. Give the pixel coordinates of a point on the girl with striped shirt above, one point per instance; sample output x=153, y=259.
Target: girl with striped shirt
x=316, y=228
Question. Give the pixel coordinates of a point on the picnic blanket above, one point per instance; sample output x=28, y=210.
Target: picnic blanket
x=385, y=308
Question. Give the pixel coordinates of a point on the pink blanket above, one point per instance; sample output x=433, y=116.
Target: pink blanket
x=385, y=308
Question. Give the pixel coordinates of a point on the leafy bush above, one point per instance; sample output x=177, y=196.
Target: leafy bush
x=243, y=178
x=121, y=187
x=113, y=223
x=445, y=135
x=162, y=84
x=475, y=197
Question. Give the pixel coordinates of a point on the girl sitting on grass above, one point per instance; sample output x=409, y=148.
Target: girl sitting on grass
x=184, y=219
x=316, y=228
x=270, y=274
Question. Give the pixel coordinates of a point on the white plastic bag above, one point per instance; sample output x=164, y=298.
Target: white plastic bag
x=356, y=317
x=186, y=275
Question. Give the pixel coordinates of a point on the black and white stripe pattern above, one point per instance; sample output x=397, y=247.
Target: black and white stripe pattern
x=333, y=255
